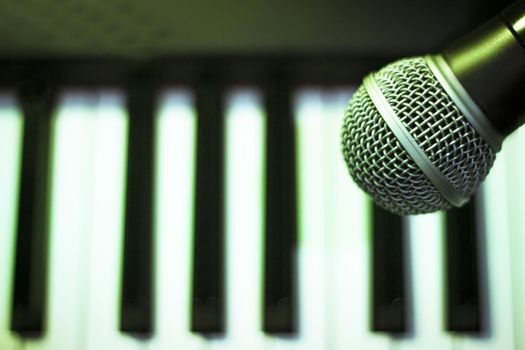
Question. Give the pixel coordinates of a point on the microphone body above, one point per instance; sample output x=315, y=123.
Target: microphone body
x=421, y=134
x=490, y=64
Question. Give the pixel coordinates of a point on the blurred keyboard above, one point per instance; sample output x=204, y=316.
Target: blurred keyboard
x=206, y=219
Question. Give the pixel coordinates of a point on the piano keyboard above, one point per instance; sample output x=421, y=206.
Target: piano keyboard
x=171, y=225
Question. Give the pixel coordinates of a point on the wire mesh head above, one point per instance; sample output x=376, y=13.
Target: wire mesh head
x=382, y=167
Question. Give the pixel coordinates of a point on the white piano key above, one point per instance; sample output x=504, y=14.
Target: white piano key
x=70, y=223
x=105, y=246
x=501, y=219
x=244, y=156
x=425, y=244
x=311, y=248
x=11, y=125
x=515, y=187
x=347, y=226
x=175, y=174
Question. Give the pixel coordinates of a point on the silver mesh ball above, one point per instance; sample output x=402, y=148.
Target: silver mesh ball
x=378, y=162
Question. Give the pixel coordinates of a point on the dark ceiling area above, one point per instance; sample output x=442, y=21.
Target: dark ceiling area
x=146, y=29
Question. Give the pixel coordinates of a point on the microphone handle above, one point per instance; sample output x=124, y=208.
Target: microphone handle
x=490, y=65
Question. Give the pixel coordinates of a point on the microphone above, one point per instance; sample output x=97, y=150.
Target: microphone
x=422, y=133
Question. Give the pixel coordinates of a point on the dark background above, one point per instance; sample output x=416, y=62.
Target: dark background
x=151, y=29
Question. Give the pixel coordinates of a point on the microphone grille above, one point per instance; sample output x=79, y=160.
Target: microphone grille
x=382, y=167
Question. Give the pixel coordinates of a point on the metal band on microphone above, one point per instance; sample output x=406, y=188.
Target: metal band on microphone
x=407, y=141
x=463, y=101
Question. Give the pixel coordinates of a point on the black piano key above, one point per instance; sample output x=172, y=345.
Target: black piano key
x=389, y=304
x=208, y=299
x=463, y=310
x=137, y=303
x=280, y=272
x=31, y=263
